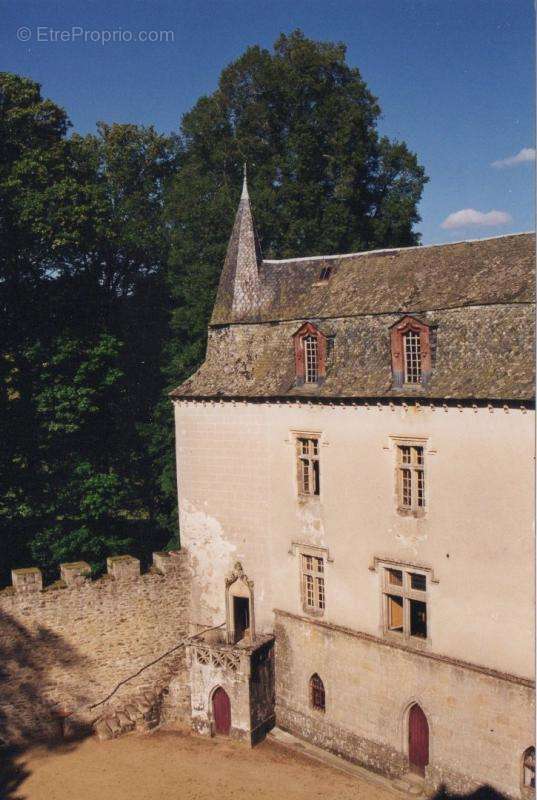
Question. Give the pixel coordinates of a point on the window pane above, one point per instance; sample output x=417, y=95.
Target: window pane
x=317, y=692
x=418, y=619
x=404, y=452
x=421, y=488
x=320, y=592
x=305, y=475
x=317, y=478
x=395, y=577
x=310, y=352
x=418, y=582
x=395, y=613
x=406, y=488
x=309, y=591
x=412, y=346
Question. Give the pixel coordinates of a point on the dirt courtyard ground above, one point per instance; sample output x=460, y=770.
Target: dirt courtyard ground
x=171, y=765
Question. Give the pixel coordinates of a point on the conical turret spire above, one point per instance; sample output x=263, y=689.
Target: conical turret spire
x=244, y=195
x=239, y=290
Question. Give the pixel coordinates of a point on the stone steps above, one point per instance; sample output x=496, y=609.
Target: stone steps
x=408, y=785
x=140, y=712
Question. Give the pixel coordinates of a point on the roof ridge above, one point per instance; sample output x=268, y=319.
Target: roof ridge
x=392, y=249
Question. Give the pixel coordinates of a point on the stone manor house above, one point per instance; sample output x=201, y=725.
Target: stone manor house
x=355, y=472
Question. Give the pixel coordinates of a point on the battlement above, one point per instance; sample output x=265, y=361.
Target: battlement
x=69, y=645
x=29, y=580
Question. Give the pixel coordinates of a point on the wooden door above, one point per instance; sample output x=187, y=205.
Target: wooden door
x=221, y=712
x=418, y=740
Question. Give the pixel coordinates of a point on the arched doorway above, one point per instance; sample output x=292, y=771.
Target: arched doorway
x=221, y=712
x=418, y=740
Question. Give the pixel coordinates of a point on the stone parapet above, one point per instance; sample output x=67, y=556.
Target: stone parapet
x=81, y=648
x=27, y=580
x=75, y=573
x=123, y=567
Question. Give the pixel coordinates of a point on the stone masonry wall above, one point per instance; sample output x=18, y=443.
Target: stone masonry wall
x=67, y=647
x=479, y=723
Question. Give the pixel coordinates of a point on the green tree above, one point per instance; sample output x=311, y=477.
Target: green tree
x=321, y=179
x=82, y=251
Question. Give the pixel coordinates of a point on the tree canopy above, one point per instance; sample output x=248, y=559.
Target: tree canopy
x=321, y=178
x=111, y=246
x=83, y=249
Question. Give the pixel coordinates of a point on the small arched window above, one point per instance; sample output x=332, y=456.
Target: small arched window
x=528, y=768
x=310, y=354
x=317, y=693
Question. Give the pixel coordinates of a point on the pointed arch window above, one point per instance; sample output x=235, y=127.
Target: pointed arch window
x=310, y=354
x=317, y=696
x=411, y=352
x=528, y=767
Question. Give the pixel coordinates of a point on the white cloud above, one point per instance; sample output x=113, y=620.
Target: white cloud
x=524, y=155
x=469, y=216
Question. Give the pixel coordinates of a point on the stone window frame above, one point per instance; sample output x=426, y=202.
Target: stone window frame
x=414, y=510
x=308, y=329
x=409, y=594
x=525, y=777
x=310, y=486
x=397, y=346
x=317, y=689
x=303, y=551
x=237, y=584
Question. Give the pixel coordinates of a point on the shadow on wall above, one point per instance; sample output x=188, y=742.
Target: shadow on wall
x=483, y=793
x=34, y=669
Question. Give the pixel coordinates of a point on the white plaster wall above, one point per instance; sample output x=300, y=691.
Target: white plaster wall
x=238, y=501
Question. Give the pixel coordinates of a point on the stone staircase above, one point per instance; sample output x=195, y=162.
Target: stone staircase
x=409, y=784
x=140, y=712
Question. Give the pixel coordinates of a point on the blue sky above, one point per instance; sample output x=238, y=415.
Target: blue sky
x=454, y=79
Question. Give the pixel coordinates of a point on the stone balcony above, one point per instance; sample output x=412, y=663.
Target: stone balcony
x=245, y=671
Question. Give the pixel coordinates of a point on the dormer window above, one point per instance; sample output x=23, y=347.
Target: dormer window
x=411, y=353
x=325, y=274
x=311, y=359
x=310, y=354
x=412, y=364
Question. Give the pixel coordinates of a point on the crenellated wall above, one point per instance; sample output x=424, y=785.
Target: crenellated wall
x=65, y=648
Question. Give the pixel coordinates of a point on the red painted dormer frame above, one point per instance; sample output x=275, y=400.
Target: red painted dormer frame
x=309, y=329
x=397, y=331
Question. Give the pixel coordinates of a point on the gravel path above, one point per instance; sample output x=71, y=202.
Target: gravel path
x=172, y=765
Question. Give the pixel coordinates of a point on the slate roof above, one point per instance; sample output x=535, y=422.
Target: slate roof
x=478, y=297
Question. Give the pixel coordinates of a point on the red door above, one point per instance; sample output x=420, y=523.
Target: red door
x=418, y=740
x=221, y=712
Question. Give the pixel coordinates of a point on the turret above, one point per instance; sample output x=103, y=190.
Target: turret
x=239, y=290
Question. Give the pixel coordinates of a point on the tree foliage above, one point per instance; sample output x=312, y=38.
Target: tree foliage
x=321, y=178
x=83, y=249
x=111, y=245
